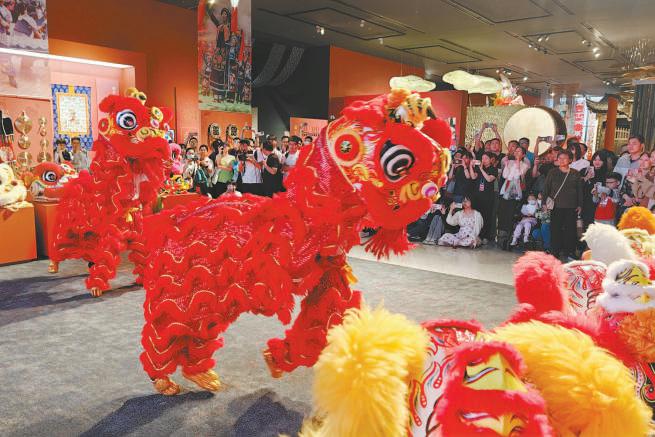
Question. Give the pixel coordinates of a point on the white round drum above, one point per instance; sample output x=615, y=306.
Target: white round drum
x=532, y=123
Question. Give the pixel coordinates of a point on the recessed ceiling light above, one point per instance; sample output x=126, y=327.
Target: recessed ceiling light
x=322, y=30
x=381, y=41
x=552, y=93
x=597, y=55
x=362, y=23
x=497, y=71
x=541, y=38
x=595, y=49
x=509, y=72
x=584, y=41
x=530, y=45
x=547, y=37
x=525, y=78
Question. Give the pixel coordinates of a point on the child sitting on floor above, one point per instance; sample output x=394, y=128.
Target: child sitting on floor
x=528, y=221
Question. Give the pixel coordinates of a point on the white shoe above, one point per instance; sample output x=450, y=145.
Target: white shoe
x=514, y=242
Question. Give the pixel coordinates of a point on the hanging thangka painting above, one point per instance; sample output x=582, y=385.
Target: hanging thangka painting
x=224, y=55
x=71, y=110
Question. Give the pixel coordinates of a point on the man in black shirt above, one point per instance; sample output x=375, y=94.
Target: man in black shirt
x=272, y=171
x=461, y=174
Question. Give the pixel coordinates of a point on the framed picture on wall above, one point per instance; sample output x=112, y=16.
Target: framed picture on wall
x=71, y=107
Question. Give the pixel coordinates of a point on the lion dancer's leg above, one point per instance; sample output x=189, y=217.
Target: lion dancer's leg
x=323, y=308
x=199, y=364
x=174, y=336
x=138, y=254
x=103, y=264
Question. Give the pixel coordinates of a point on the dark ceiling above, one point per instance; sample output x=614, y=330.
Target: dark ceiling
x=479, y=35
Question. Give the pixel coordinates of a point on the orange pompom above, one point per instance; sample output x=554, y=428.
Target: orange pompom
x=638, y=217
x=637, y=330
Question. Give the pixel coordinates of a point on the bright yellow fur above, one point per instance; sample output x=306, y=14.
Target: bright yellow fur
x=588, y=392
x=362, y=376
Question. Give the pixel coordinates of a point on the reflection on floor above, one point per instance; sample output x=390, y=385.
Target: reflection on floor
x=69, y=363
x=485, y=264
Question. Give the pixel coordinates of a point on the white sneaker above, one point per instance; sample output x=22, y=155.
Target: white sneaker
x=514, y=242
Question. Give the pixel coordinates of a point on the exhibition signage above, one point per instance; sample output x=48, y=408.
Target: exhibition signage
x=304, y=127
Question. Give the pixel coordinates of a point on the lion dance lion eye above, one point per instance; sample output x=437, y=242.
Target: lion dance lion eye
x=396, y=160
x=126, y=119
x=49, y=176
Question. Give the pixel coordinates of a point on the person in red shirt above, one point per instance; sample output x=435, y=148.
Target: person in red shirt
x=605, y=208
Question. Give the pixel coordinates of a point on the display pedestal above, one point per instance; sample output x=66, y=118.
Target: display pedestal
x=173, y=200
x=18, y=235
x=45, y=226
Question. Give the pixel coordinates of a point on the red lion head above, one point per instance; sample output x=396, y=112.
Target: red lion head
x=46, y=181
x=394, y=152
x=135, y=130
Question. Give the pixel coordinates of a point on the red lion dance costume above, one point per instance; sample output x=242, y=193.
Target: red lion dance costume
x=101, y=212
x=379, y=165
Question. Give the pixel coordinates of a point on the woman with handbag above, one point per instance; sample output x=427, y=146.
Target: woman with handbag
x=563, y=192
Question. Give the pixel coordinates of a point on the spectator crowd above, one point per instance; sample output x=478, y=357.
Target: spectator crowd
x=243, y=165
x=506, y=195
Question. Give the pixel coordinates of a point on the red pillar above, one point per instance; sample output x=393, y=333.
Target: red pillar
x=610, y=124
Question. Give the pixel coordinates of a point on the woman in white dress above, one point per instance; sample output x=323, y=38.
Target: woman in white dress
x=470, y=224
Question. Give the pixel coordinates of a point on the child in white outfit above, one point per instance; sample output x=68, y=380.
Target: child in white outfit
x=527, y=222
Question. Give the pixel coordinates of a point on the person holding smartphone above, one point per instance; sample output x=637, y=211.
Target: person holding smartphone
x=484, y=175
x=250, y=168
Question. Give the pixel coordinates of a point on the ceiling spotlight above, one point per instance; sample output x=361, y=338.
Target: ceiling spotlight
x=597, y=55
x=509, y=73
x=541, y=38
x=584, y=41
x=552, y=93
x=547, y=37
x=362, y=23
x=536, y=49
x=595, y=49
x=497, y=70
x=322, y=30
x=525, y=78
x=381, y=41
x=530, y=45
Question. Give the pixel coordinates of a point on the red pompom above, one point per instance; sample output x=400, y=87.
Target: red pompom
x=538, y=278
x=439, y=130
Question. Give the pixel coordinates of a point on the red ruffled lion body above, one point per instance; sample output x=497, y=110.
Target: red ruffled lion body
x=211, y=261
x=100, y=213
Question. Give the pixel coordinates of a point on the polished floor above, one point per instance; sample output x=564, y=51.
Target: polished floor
x=69, y=363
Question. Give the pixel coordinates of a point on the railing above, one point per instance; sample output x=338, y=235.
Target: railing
x=621, y=136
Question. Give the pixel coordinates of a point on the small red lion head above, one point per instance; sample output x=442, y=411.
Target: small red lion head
x=135, y=130
x=46, y=181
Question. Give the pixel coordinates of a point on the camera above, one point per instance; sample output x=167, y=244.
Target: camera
x=242, y=156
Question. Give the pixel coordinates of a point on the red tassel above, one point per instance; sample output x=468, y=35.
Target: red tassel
x=388, y=240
